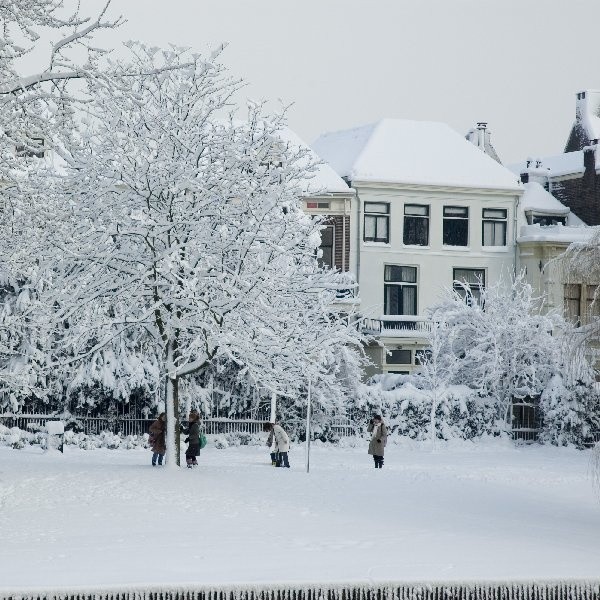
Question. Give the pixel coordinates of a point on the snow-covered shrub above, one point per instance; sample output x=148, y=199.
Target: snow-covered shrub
x=570, y=413
x=220, y=442
x=406, y=409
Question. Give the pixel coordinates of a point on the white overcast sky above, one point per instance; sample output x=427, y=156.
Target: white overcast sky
x=514, y=63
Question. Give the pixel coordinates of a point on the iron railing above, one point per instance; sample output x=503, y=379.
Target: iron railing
x=398, y=326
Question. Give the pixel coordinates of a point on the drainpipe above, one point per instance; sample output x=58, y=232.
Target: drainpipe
x=358, y=226
x=344, y=237
x=515, y=231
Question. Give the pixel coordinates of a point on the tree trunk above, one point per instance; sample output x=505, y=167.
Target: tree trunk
x=172, y=410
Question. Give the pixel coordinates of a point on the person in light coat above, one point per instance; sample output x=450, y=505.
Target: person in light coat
x=378, y=441
x=282, y=444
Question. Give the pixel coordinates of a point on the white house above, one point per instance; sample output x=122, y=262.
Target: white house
x=430, y=208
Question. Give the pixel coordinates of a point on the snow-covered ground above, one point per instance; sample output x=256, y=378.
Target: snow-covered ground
x=107, y=518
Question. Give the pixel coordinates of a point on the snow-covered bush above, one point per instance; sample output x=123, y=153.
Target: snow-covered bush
x=19, y=438
x=407, y=409
x=570, y=413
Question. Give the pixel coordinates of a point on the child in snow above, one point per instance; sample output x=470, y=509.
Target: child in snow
x=157, y=439
x=193, y=439
x=282, y=444
x=378, y=440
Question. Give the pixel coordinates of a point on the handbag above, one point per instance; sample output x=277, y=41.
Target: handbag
x=202, y=441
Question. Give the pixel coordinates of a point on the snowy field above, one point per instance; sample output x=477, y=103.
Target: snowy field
x=107, y=518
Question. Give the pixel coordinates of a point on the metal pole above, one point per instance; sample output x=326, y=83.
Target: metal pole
x=308, y=408
x=273, y=407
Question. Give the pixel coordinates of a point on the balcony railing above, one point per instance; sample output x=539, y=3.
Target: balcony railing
x=398, y=326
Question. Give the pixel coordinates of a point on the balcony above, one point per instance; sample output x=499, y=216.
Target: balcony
x=398, y=326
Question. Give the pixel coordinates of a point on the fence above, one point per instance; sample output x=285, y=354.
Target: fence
x=517, y=590
x=343, y=426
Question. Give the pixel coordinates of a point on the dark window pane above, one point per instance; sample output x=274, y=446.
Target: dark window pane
x=327, y=236
x=456, y=232
x=400, y=299
x=416, y=231
x=399, y=357
x=392, y=299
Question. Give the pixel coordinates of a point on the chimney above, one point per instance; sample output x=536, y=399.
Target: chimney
x=481, y=131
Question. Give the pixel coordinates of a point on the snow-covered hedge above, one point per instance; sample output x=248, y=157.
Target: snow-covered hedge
x=462, y=414
x=19, y=438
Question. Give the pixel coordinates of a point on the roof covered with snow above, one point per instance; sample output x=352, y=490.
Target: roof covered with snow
x=569, y=163
x=555, y=233
x=412, y=152
x=537, y=199
x=586, y=127
x=323, y=179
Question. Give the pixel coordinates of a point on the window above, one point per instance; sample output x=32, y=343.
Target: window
x=494, y=227
x=320, y=205
x=572, y=303
x=416, y=225
x=474, y=278
x=327, y=237
x=377, y=222
x=456, y=226
x=592, y=308
x=400, y=290
x=422, y=356
x=546, y=220
x=399, y=357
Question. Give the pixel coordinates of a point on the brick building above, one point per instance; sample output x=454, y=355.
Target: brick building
x=574, y=176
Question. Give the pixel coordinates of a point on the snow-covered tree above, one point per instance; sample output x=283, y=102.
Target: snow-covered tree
x=580, y=264
x=504, y=340
x=181, y=223
x=36, y=116
x=439, y=366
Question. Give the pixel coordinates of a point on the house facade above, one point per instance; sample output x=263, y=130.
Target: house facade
x=430, y=209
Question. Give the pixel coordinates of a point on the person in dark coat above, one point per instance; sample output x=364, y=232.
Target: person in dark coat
x=193, y=439
x=157, y=439
x=271, y=443
x=378, y=441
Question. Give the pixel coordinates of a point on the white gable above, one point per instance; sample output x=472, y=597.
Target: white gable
x=412, y=152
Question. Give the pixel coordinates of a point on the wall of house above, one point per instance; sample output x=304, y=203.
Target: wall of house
x=337, y=212
x=581, y=194
x=435, y=263
x=542, y=271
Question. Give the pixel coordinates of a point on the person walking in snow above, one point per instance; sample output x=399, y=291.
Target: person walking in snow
x=378, y=441
x=193, y=439
x=157, y=439
x=282, y=444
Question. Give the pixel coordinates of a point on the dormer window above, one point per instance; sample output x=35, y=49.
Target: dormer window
x=546, y=220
